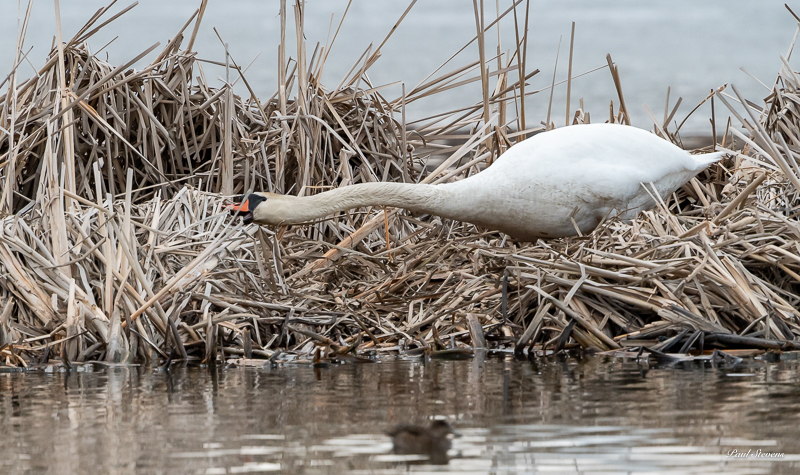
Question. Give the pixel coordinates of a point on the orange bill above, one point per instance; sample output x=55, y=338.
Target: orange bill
x=242, y=207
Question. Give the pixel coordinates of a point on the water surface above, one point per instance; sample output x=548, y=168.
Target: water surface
x=689, y=45
x=573, y=415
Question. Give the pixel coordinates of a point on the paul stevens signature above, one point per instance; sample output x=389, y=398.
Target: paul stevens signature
x=754, y=454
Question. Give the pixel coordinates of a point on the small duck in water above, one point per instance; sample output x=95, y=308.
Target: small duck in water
x=432, y=441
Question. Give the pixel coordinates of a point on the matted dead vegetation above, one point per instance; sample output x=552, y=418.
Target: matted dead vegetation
x=115, y=247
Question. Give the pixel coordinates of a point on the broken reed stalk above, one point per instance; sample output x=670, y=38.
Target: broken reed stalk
x=144, y=262
x=618, y=85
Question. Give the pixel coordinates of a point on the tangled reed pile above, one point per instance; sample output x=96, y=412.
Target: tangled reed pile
x=115, y=247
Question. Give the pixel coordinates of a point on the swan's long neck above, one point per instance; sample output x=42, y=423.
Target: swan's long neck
x=418, y=198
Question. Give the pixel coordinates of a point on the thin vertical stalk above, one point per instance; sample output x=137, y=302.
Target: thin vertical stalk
x=302, y=71
x=67, y=134
x=549, y=125
x=569, y=70
x=484, y=73
x=227, y=139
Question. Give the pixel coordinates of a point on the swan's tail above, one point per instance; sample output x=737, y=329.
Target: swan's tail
x=705, y=159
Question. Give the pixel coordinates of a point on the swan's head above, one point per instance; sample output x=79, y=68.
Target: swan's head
x=261, y=208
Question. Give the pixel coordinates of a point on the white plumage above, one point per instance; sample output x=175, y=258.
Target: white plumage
x=583, y=172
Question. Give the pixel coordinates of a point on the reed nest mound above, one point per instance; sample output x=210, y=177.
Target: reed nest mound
x=115, y=246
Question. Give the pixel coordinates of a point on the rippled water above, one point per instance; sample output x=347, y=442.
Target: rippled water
x=574, y=415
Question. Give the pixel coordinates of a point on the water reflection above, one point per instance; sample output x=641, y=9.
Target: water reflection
x=568, y=415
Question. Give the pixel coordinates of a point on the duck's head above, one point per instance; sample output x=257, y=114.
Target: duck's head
x=259, y=208
x=432, y=440
x=440, y=429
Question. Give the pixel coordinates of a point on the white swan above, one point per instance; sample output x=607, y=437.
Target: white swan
x=583, y=172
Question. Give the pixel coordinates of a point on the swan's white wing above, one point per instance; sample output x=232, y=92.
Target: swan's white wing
x=605, y=162
x=583, y=171
x=598, y=148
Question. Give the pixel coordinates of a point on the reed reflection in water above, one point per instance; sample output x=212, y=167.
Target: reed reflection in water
x=575, y=415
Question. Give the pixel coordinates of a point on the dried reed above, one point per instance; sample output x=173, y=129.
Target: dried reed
x=114, y=245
